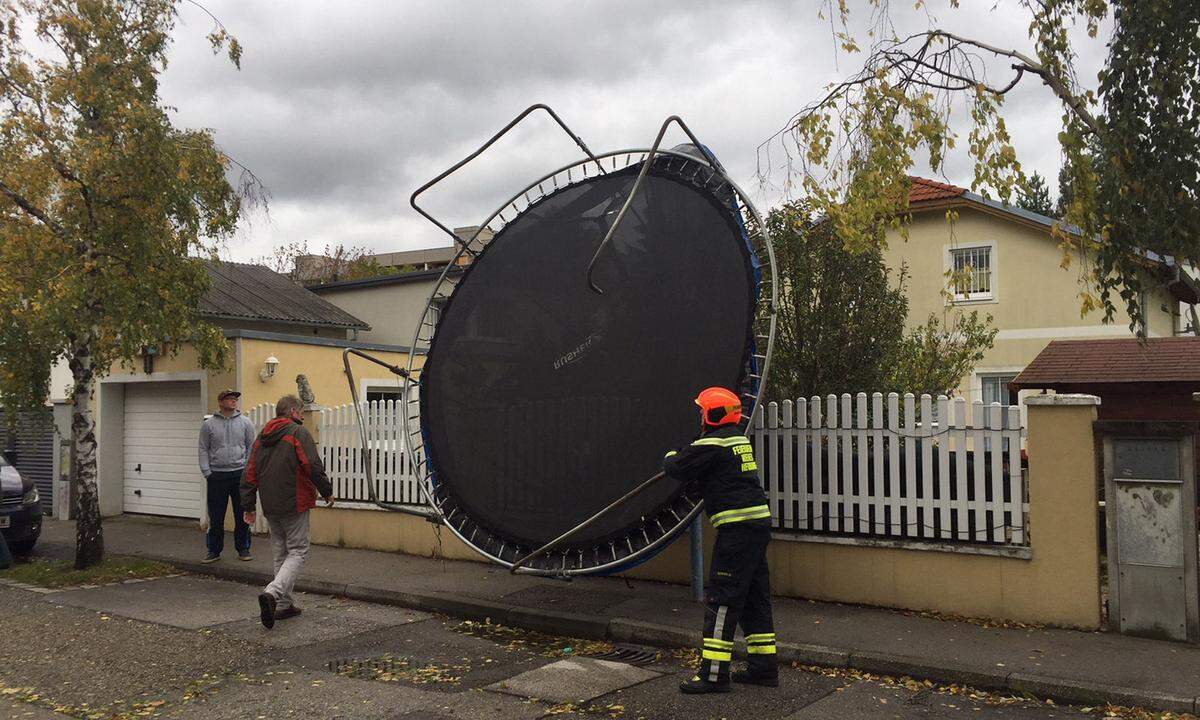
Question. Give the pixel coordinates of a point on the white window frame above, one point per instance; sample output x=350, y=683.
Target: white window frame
x=992, y=295
x=992, y=375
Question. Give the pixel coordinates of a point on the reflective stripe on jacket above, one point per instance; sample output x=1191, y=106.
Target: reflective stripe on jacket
x=722, y=462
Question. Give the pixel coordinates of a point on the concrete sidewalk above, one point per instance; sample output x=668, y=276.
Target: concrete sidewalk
x=1064, y=665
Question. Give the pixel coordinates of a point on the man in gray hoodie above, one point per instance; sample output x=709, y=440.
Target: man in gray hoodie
x=225, y=442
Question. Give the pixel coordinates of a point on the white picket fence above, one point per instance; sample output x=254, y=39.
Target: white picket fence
x=341, y=452
x=894, y=467
x=908, y=468
x=260, y=415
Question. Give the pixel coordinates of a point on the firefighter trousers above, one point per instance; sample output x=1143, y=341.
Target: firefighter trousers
x=738, y=593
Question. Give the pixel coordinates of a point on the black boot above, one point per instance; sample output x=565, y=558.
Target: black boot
x=753, y=676
x=266, y=610
x=699, y=686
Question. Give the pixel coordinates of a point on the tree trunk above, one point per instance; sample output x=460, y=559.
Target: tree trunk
x=89, y=535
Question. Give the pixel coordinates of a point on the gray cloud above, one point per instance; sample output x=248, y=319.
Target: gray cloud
x=343, y=109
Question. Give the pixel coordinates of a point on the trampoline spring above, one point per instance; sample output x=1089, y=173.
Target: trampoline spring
x=501, y=553
x=645, y=535
x=661, y=530
x=474, y=532
x=569, y=178
x=676, y=515
x=612, y=548
x=629, y=544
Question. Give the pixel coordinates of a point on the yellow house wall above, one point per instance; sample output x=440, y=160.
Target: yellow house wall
x=1035, y=299
x=1058, y=584
x=321, y=364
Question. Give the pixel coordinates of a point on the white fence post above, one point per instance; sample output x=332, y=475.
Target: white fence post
x=943, y=453
x=911, y=526
x=921, y=470
x=803, y=441
x=817, y=518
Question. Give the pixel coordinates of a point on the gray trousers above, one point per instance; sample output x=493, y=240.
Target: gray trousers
x=289, y=537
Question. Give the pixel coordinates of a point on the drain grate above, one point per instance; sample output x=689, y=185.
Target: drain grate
x=629, y=654
x=351, y=666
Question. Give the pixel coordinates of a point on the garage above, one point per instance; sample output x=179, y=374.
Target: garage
x=162, y=422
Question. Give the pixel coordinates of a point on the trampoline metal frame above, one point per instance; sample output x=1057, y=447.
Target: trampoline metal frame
x=765, y=309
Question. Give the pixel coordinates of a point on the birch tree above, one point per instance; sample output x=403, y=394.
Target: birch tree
x=1129, y=136
x=106, y=209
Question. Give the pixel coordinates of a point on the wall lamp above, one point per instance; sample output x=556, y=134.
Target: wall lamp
x=269, y=368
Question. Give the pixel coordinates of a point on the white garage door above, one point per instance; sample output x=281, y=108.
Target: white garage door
x=162, y=425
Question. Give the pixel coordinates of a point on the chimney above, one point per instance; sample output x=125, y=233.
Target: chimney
x=465, y=234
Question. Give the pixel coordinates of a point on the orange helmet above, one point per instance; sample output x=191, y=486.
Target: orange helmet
x=720, y=406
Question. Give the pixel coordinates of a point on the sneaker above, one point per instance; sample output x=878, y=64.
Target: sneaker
x=287, y=612
x=210, y=558
x=245, y=557
x=266, y=610
x=750, y=677
x=698, y=686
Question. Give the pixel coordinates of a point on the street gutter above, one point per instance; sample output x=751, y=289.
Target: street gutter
x=598, y=627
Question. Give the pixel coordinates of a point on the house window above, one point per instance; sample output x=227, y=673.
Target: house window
x=995, y=389
x=384, y=393
x=972, y=273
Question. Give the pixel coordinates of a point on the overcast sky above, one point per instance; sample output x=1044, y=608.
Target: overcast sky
x=344, y=108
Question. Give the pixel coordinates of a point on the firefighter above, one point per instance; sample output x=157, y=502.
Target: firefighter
x=722, y=462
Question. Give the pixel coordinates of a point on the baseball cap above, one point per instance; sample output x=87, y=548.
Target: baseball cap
x=226, y=393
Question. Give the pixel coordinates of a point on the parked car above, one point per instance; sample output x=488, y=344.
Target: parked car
x=20, y=508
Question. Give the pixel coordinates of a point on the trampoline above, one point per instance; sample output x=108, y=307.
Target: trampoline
x=562, y=360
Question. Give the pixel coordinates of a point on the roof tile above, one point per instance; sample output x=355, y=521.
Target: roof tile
x=925, y=190
x=1174, y=359
x=254, y=292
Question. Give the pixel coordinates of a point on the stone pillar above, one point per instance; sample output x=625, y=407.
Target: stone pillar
x=1063, y=505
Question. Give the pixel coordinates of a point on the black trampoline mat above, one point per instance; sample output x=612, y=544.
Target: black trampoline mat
x=541, y=401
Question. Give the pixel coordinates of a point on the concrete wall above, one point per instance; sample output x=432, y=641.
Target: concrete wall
x=1056, y=581
x=392, y=310
x=1034, y=301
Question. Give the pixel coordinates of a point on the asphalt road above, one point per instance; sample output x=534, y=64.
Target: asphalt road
x=191, y=647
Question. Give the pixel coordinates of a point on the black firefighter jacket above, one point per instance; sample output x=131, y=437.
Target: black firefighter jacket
x=722, y=461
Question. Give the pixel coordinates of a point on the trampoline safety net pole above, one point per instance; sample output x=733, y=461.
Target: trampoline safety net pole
x=430, y=513
x=583, y=525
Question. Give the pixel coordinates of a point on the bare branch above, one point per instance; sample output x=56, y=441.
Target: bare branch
x=31, y=209
x=1052, y=81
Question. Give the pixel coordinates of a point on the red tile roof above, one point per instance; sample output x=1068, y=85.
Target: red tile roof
x=1175, y=359
x=923, y=190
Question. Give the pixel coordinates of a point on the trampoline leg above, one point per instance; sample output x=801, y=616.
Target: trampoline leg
x=696, y=533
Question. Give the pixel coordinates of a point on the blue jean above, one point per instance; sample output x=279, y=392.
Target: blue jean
x=225, y=488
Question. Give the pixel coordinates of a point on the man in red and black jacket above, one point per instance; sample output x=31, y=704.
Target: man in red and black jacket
x=285, y=471
x=721, y=461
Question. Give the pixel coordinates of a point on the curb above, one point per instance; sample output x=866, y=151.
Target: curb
x=1070, y=691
